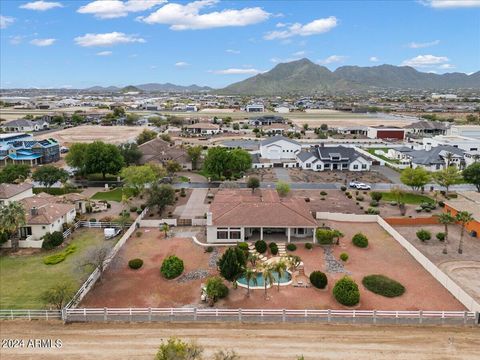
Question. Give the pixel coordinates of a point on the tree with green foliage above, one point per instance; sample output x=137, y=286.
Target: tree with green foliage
x=118, y=112
x=267, y=275
x=77, y=119
x=76, y=157
x=446, y=219
x=173, y=167
x=165, y=228
x=447, y=177
x=131, y=119
x=130, y=152
x=12, y=173
x=58, y=295
x=160, y=196
x=283, y=188
x=346, y=291
x=221, y=162
x=172, y=267
x=176, y=349
x=194, y=153
x=146, y=135
x=49, y=175
x=12, y=217
x=103, y=158
x=253, y=183
x=215, y=289
x=232, y=264
x=415, y=178
x=135, y=178
x=472, y=174
x=280, y=267
x=399, y=196
x=463, y=217
x=250, y=276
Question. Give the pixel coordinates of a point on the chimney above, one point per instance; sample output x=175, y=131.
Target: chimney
x=209, y=218
x=34, y=211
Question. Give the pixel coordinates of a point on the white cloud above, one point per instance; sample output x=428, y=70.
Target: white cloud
x=232, y=51
x=110, y=9
x=41, y=5
x=182, y=64
x=236, y=71
x=333, y=59
x=317, y=26
x=446, y=4
x=447, y=66
x=6, y=21
x=104, y=53
x=299, y=53
x=280, y=25
x=42, y=42
x=107, y=39
x=188, y=17
x=425, y=61
x=374, y=59
x=415, y=45
x=16, y=40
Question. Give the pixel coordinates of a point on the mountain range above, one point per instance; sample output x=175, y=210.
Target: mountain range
x=150, y=87
x=305, y=77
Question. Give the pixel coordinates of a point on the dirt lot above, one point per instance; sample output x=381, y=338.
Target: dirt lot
x=265, y=175
x=254, y=341
x=462, y=268
x=299, y=175
x=123, y=287
x=90, y=133
x=334, y=201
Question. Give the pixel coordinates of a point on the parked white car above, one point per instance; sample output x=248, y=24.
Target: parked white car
x=362, y=186
x=353, y=184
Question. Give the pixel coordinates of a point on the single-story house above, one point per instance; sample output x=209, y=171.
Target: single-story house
x=432, y=159
x=202, y=129
x=427, y=128
x=14, y=192
x=278, y=148
x=237, y=215
x=159, y=151
x=255, y=108
x=24, y=125
x=320, y=158
x=466, y=201
x=266, y=120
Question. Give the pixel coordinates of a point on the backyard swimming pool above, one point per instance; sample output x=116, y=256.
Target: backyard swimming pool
x=285, y=279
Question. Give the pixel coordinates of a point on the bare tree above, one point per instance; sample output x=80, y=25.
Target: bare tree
x=95, y=259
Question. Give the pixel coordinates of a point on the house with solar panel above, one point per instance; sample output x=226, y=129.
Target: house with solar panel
x=20, y=148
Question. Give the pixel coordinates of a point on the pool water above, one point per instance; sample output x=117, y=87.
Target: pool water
x=286, y=277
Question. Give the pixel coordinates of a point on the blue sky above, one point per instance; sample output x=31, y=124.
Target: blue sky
x=62, y=43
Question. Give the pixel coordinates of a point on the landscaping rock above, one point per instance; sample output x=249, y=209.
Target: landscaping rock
x=193, y=275
x=332, y=264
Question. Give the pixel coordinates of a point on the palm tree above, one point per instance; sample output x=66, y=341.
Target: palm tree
x=12, y=216
x=448, y=158
x=250, y=275
x=253, y=259
x=268, y=278
x=446, y=219
x=165, y=229
x=280, y=267
x=463, y=217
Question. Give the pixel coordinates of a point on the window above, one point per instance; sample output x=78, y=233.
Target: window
x=300, y=231
x=327, y=166
x=364, y=166
x=235, y=234
x=308, y=165
x=319, y=167
x=355, y=167
x=222, y=233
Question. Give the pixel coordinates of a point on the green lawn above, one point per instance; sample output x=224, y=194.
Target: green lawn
x=408, y=198
x=24, y=277
x=113, y=195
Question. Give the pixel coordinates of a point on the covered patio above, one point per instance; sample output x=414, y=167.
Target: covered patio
x=280, y=234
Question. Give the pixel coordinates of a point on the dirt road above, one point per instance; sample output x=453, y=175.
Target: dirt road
x=253, y=341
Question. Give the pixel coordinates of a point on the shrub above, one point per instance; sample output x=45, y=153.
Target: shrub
x=382, y=285
x=135, y=264
x=376, y=196
x=323, y=193
x=138, y=233
x=393, y=203
x=324, y=236
x=52, y=240
x=308, y=246
x=143, y=206
x=243, y=246
x=343, y=188
x=291, y=247
x=373, y=211
x=92, y=220
x=424, y=235
x=139, y=211
x=322, y=198
x=261, y=246
x=133, y=208
x=318, y=279
x=215, y=288
x=360, y=240
x=58, y=258
x=209, y=249
x=441, y=204
x=350, y=196
x=359, y=198
x=418, y=209
x=344, y=257
x=273, y=248
x=346, y=291
x=440, y=236
x=172, y=267
x=182, y=192
x=374, y=203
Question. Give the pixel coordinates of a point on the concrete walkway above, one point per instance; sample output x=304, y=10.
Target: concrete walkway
x=282, y=174
x=389, y=173
x=195, y=206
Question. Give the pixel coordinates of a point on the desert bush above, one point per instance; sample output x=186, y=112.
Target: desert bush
x=440, y=236
x=424, y=235
x=172, y=267
x=418, y=209
x=209, y=249
x=143, y=206
x=135, y=264
x=359, y=198
x=318, y=279
x=382, y=285
x=343, y=188
x=52, y=240
x=344, y=257
x=243, y=246
x=374, y=203
x=323, y=193
x=308, y=246
x=133, y=209
x=92, y=220
x=376, y=196
x=373, y=211
x=291, y=247
x=261, y=246
x=360, y=240
x=138, y=233
x=273, y=248
x=346, y=291
x=182, y=192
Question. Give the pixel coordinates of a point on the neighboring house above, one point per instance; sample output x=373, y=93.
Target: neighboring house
x=352, y=130
x=27, y=150
x=386, y=132
x=266, y=120
x=436, y=158
x=471, y=131
x=282, y=109
x=191, y=108
x=467, y=201
x=159, y=151
x=322, y=158
x=24, y=125
x=279, y=148
x=255, y=108
x=461, y=142
x=237, y=215
x=427, y=128
x=14, y=192
x=202, y=129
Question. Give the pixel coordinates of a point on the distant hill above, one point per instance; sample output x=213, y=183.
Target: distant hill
x=131, y=88
x=304, y=76
x=151, y=87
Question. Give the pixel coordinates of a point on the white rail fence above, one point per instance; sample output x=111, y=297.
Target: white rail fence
x=270, y=315
x=92, y=279
x=30, y=314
